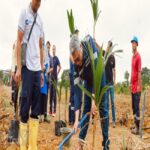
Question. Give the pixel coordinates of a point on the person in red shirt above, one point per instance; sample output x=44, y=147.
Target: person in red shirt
x=135, y=84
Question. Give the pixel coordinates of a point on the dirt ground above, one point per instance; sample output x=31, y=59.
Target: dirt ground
x=47, y=140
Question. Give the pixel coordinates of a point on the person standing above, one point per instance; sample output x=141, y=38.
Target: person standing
x=31, y=73
x=44, y=89
x=54, y=76
x=111, y=80
x=135, y=84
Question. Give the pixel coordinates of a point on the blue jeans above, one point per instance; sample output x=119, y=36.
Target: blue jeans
x=111, y=93
x=103, y=111
x=30, y=94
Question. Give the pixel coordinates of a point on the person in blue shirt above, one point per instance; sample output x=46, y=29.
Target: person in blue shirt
x=54, y=76
x=44, y=89
x=83, y=71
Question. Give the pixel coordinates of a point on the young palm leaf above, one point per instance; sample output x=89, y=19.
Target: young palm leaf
x=71, y=21
x=58, y=90
x=111, y=52
x=66, y=86
x=96, y=13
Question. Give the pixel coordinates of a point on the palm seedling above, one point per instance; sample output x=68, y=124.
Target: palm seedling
x=59, y=124
x=71, y=21
x=98, y=69
x=59, y=90
x=96, y=13
x=66, y=86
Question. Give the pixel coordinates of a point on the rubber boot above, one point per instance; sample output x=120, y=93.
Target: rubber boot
x=33, y=132
x=23, y=137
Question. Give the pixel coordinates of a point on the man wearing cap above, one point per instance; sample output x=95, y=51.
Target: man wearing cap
x=135, y=84
x=83, y=71
x=30, y=72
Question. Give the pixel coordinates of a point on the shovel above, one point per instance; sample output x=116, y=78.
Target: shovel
x=67, y=138
x=14, y=124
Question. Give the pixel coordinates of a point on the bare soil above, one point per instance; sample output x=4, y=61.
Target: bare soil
x=47, y=140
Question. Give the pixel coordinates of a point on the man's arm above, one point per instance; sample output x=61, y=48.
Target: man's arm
x=139, y=75
x=59, y=68
x=114, y=75
x=114, y=69
x=19, y=40
x=41, y=53
x=77, y=98
x=50, y=70
x=139, y=78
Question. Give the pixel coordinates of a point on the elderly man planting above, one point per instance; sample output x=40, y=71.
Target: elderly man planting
x=83, y=71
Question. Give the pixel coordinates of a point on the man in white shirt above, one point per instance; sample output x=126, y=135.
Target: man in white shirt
x=31, y=73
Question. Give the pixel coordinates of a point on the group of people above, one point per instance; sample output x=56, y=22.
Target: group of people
x=41, y=69
x=51, y=71
x=83, y=72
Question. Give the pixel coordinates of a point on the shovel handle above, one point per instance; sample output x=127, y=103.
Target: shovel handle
x=72, y=133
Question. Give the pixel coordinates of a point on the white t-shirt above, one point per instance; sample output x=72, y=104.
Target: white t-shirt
x=33, y=50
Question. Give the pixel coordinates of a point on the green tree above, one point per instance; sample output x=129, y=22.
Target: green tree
x=1, y=75
x=126, y=76
x=66, y=86
x=145, y=77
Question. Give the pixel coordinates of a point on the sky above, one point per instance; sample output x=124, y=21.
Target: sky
x=119, y=21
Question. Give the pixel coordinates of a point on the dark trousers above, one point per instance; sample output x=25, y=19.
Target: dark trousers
x=43, y=104
x=71, y=104
x=53, y=98
x=136, y=108
x=30, y=94
x=103, y=111
x=15, y=90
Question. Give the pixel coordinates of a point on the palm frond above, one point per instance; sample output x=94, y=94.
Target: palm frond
x=56, y=88
x=86, y=91
x=103, y=91
x=99, y=73
x=71, y=21
x=96, y=13
x=111, y=52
